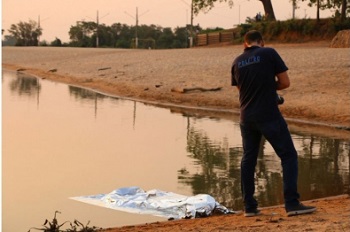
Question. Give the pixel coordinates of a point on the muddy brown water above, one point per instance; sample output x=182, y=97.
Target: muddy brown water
x=61, y=141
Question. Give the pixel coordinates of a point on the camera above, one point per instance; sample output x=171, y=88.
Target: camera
x=280, y=100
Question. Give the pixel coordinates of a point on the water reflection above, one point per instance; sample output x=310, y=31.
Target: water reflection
x=25, y=85
x=216, y=176
x=323, y=169
x=84, y=94
x=87, y=143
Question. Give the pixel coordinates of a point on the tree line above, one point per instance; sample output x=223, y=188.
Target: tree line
x=91, y=34
x=85, y=34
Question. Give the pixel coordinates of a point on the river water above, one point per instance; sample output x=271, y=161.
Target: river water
x=61, y=141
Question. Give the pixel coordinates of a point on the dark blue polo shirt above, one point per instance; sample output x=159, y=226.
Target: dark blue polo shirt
x=254, y=72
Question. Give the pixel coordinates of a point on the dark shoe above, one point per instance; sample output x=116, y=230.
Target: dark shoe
x=300, y=209
x=252, y=213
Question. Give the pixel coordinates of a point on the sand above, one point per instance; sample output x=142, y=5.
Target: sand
x=197, y=80
x=333, y=214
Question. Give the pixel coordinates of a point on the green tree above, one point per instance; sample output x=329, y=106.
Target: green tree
x=206, y=5
x=345, y=9
x=342, y=7
x=320, y=4
x=81, y=34
x=56, y=43
x=145, y=31
x=106, y=35
x=122, y=35
x=9, y=40
x=26, y=33
x=181, y=35
x=166, y=39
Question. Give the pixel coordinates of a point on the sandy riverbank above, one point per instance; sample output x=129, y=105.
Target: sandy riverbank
x=332, y=215
x=319, y=94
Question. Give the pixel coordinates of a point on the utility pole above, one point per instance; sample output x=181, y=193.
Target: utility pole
x=191, y=38
x=294, y=8
x=97, y=42
x=97, y=25
x=137, y=24
x=191, y=26
x=318, y=11
x=39, y=29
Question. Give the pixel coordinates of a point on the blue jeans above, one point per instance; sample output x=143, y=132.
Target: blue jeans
x=277, y=134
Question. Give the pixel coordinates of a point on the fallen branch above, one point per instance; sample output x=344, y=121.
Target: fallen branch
x=100, y=69
x=200, y=89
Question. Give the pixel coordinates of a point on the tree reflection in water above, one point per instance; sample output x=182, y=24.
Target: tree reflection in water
x=81, y=94
x=323, y=169
x=25, y=85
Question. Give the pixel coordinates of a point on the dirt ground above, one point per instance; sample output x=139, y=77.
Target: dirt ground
x=198, y=80
x=333, y=214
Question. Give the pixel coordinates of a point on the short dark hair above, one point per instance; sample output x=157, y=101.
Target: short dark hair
x=253, y=36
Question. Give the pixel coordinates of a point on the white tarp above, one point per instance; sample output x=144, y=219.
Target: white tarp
x=156, y=202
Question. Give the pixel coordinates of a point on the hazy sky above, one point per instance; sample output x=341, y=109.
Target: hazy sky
x=57, y=16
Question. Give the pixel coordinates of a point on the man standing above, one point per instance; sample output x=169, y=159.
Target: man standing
x=258, y=73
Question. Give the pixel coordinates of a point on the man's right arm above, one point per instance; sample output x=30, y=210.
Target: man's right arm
x=282, y=80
